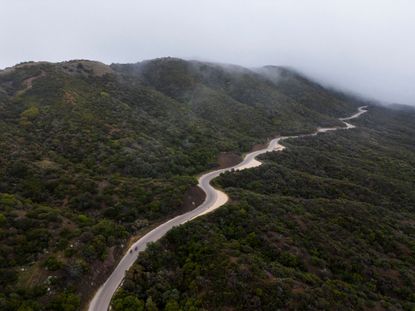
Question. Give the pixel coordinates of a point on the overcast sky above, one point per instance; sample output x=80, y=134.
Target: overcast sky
x=365, y=46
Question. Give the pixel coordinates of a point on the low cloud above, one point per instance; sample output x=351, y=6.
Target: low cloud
x=363, y=46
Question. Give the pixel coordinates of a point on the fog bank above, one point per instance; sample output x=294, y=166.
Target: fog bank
x=363, y=46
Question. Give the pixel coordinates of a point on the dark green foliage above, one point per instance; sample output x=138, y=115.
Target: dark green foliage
x=93, y=154
x=328, y=224
x=128, y=303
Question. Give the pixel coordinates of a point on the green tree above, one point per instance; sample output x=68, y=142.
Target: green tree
x=151, y=305
x=128, y=303
x=172, y=305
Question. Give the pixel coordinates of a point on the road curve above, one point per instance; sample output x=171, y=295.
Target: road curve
x=214, y=199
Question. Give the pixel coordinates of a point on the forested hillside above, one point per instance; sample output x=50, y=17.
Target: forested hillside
x=327, y=224
x=92, y=155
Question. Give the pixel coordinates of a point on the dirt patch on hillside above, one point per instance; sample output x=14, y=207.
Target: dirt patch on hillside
x=28, y=83
x=228, y=159
x=257, y=147
x=192, y=198
x=69, y=98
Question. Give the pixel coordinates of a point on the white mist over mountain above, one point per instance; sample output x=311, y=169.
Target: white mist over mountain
x=363, y=46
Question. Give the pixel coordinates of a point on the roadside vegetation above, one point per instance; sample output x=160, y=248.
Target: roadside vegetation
x=92, y=155
x=329, y=223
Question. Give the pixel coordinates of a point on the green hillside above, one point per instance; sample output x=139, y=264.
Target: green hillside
x=327, y=224
x=92, y=155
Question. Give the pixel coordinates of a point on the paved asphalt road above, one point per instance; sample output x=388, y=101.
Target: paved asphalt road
x=214, y=199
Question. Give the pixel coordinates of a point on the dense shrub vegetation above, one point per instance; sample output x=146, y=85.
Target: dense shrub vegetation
x=92, y=155
x=327, y=224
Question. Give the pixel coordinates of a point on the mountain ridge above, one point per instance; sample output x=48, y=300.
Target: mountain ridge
x=95, y=154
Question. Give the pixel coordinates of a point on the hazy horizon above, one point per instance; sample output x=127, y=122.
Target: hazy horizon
x=365, y=47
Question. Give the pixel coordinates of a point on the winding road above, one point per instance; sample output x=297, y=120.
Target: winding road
x=214, y=199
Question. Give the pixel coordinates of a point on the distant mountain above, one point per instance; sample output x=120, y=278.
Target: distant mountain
x=92, y=155
x=283, y=96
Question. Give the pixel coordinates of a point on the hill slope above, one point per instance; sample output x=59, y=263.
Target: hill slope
x=327, y=224
x=94, y=154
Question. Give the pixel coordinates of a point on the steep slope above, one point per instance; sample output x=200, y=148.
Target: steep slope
x=327, y=224
x=307, y=92
x=94, y=154
x=281, y=103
